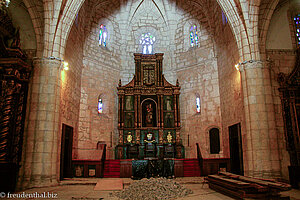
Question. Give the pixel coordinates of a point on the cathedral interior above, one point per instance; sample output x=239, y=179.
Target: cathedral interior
x=87, y=84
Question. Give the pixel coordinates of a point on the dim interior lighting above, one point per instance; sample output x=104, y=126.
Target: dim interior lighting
x=66, y=66
x=237, y=66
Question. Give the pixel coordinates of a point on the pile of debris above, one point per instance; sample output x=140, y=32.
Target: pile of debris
x=153, y=188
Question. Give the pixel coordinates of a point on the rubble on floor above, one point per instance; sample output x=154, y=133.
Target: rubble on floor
x=153, y=188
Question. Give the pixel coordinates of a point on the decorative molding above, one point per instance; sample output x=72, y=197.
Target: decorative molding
x=250, y=64
x=51, y=61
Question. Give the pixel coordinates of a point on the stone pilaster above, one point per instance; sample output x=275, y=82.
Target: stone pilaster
x=260, y=145
x=40, y=163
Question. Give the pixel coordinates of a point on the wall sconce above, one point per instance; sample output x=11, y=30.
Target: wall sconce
x=237, y=66
x=66, y=65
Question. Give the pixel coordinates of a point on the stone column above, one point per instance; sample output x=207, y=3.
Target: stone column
x=40, y=160
x=260, y=145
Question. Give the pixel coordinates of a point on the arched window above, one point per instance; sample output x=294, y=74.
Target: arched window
x=214, y=140
x=224, y=18
x=194, y=36
x=100, y=106
x=297, y=28
x=102, y=35
x=198, y=104
x=147, y=40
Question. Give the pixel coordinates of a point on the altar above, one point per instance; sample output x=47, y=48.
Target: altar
x=148, y=113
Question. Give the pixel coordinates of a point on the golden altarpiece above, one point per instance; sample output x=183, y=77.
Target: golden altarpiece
x=148, y=113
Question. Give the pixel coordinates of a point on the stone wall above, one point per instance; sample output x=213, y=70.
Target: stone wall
x=100, y=76
x=103, y=66
x=71, y=82
x=98, y=81
x=280, y=61
x=232, y=106
x=201, y=71
x=197, y=72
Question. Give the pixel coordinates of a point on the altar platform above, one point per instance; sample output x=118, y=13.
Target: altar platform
x=150, y=167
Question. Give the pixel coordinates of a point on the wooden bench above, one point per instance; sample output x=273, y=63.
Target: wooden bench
x=246, y=187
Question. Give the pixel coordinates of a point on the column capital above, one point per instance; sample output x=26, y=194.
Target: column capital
x=50, y=61
x=251, y=64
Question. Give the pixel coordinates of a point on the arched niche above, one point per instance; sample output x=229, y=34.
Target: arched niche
x=149, y=113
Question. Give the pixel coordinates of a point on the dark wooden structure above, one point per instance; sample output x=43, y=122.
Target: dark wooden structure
x=88, y=168
x=246, y=187
x=290, y=101
x=14, y=78
x=148, y=113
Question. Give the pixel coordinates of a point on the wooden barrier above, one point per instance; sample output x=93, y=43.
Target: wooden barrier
x=126, y=168
x=246, y=187
x=87, y=168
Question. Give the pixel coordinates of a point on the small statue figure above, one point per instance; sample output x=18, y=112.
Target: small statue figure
x=129, y=137
x=149, y=115
x=150, y=138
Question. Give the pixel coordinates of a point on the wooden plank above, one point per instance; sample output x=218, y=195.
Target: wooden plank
x=274, y=185
x=232, y=193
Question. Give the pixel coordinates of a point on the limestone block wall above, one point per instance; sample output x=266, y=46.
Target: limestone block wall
x=197, y=69
x=200, y=81
x=100, y=76
x=280, y=61
x=97, y=81
x=147, y=18
x=71, y=82
x=232, y=106
x=197, y=73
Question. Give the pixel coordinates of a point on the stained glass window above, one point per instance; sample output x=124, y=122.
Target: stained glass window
x=297, y=26
x=102, y=35
x=224, y=18
x=100, y=106
x=194, y=36
x=198, y=104
x=76, y=20
x=147, y=40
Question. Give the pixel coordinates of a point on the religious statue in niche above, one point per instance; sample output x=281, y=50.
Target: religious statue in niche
x=129, y=103
x=168, y=104
x=149, y=114
x=129, y=118
x=169, y=120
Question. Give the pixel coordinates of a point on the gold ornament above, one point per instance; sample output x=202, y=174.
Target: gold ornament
x=169, y=137
x=129, y=137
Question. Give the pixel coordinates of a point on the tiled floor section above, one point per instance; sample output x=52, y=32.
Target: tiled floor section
x=83, y=189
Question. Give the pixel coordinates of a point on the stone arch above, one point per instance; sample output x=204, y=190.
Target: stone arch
x=266, y=11
x=238, y=28
x=208, y=129
x=72, y=8
x=38, y=24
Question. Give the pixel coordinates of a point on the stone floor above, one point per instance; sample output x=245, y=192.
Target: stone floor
x=83, y=189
